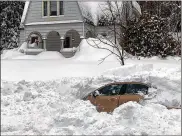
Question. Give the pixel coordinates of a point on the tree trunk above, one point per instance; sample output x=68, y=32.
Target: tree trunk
x=122, y=61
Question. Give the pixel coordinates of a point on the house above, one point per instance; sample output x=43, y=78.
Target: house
x=56, y=25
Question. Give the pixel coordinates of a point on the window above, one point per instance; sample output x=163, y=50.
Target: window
x=61, y=8
x=136, y=88
x=53, y=8
x=45, y=8
x=110, y=90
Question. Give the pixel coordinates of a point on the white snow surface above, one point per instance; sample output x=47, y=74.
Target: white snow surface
x=41, y=94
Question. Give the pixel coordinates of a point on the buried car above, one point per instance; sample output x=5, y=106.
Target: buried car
x=112, y=95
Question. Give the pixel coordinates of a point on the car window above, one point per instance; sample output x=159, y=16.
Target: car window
x=123, y=89
x=110, y=90
x=136, y=88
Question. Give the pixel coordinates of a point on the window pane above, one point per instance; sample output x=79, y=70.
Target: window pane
x=45, y=8
x=123, y=89
x=53, y=8
x=136, y=88
x=110, y=90
x=61, y=8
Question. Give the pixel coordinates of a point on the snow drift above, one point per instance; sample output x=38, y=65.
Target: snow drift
x=9, y=54
x=54, y=107
x=86, y=51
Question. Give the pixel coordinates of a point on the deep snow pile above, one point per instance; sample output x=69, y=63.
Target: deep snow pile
x=50, y=55
x=86, y=51
x=9, y=54
x=54, y=107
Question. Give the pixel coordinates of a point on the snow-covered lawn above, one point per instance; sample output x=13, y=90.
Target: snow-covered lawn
x=41, y=94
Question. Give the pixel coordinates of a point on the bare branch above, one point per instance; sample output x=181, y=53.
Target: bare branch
x=102, y=60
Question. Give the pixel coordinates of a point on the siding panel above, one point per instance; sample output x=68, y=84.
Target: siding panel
x=34, y=14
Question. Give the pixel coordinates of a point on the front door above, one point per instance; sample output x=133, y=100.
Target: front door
x=67, y=42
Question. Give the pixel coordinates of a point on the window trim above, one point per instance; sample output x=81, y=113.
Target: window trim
x=43, y=8
x=59, y=8
x=49, y=8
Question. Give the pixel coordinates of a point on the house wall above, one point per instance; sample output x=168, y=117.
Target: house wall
x=53, y=42
x=22, y=37
x=34, y=14
x=60, y=28
x=108, y=30
x=76, y=36
x=90, y=28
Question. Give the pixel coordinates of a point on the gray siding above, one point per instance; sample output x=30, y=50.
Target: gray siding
x=53, y=42
x=60, y=28
x=90, y=28
x=74, y=35
x=34, y=14
x=22, y=37
x=107, y=29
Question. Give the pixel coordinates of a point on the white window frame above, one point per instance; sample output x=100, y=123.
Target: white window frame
x=59, y=8
x=43, y=8
x=48, y=9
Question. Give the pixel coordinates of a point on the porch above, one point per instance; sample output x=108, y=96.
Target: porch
x=66, y=45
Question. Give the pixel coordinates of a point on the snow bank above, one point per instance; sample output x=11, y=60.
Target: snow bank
x=50, y=55
x=9, y=54
x=45, y=55
x=53, y=108
x=88, y=53
x=23, y=47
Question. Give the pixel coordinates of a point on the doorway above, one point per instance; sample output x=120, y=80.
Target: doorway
x=33, y=39
x=67, y=42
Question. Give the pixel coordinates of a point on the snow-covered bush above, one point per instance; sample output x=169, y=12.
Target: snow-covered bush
x=150, y=37
x=10, y=17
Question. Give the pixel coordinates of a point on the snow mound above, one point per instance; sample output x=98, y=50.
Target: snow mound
x=25, y=57
x=23, y=47
x=9, y=54
x=50, y=55
x=56, y=111
x=88, y=53
x=128, y=70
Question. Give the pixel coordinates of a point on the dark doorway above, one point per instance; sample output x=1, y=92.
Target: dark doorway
x=67, y=42
x=33, y=39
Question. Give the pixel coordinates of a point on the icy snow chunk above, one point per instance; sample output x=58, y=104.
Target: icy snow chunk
x=27, y=96
x=7, y=89
x=5, y=103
